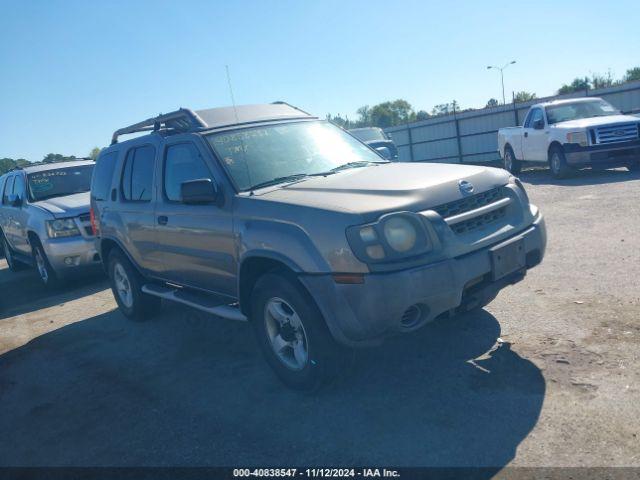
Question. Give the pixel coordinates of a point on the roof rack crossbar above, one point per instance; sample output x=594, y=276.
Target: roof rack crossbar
x=182, y=119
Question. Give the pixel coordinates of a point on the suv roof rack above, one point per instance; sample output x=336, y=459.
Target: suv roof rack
x=186, y=120
x=183, y=119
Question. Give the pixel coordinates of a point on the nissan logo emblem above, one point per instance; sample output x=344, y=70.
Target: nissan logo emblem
x=465, y=187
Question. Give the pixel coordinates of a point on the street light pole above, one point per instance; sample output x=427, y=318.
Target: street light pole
x=504, y=101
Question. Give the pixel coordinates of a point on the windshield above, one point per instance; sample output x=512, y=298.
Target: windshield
x=256, y=156
x=578, y=110
x=59, y=182
x=368, y=134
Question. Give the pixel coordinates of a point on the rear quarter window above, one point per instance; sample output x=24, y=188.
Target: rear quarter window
x=103, y=175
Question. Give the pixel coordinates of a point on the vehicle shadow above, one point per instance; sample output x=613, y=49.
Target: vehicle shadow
x=22, y=292
x=578, y=178
x=187, y=390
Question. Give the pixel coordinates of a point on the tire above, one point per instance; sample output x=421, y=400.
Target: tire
x=292, y=333
x=46, y=274
x=13, y=264
x=126, y=285
x=510, y=163
x=558, y=163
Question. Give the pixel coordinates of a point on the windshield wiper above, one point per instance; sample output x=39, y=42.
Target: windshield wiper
x=359, y=163
x=277, y=180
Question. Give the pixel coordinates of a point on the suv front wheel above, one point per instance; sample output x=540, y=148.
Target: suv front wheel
x=46, y=273
x=126, y=284
x=292, y=333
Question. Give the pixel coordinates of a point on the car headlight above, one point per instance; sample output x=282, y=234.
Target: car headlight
x=516, y=181
x=400, y=234
x=62, y=227
x=392, y=237
x=578, y=137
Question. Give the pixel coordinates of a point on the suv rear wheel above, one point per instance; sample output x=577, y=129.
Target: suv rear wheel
x=126, y=284
x=13, y=264
x=292, y=333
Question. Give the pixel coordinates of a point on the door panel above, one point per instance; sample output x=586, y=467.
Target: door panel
x=20, y=217
x=196, y=241
x=534, y=141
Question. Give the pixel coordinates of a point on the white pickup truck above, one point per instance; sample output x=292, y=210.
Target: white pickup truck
x=572, y=134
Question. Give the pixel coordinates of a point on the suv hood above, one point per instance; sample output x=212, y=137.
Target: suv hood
x=68, y=206
x=597, y=121
x=388, y=187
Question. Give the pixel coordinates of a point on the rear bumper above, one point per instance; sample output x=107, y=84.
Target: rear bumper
x=366, y=313
x=619, y=154
x=70, y=255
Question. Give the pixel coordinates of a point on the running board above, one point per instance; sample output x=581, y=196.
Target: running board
x=198, y=301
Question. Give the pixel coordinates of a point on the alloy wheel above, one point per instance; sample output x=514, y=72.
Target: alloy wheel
x=286, y=334
x=123, y=285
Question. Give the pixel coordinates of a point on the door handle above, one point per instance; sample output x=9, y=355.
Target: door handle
x=526, y=134
x=162, y=220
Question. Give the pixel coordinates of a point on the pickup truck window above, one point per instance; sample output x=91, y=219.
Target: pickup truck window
x=577, y=110
x=253, y=156
x=103, y=175
x=59, y=182
x=18, y=186
x=534, y=114
x=182, y=163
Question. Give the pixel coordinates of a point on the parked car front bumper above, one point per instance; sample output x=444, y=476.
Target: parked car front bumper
x=613, y=154
x=366, y=313
x=69, y=255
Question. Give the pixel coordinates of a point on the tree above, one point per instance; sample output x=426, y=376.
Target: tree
x=445, y=108
x=389, y=114
x=492, y=103
x=523, y=96
x=632, y=74
x=422, y=115
x=364, y=114
x=7, y=164
x=339, y=121
x=93, y=154
x=577, y=85
x=602, y=81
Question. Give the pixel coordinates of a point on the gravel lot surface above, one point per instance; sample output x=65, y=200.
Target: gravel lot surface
x=546, y=375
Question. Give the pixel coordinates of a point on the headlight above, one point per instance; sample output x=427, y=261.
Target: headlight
x=393, y=237
x=516, y=181
x=62, y=227
x=400, y=234
x=578, y=137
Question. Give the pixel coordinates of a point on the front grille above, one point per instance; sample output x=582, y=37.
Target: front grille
x=470, y=203
x=478, y=222
x=616, y=133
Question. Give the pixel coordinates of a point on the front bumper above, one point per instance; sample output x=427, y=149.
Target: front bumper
x=366, y=313
x=69, y=255
x=613, y=154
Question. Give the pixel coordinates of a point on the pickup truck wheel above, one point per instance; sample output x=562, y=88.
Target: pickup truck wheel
x=13, y=264
x=511, y=164
x=46, y=273
x=292, y=334
x=126, y=284
x=558, y=163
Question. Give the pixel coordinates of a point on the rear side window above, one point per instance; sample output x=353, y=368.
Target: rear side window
x=7, y=190
x=182, y=163
x=137, y=177
x=103, y=175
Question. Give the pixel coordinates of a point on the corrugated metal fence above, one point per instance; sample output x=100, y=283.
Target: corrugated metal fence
x=472, y=137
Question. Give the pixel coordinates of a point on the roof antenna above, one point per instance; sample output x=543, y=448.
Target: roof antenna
x=235, y=112
x=233, y=100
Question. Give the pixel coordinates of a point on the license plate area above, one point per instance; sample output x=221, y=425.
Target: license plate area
x=507, y=258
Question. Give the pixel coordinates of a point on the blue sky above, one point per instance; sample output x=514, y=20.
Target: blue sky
x=71, y=72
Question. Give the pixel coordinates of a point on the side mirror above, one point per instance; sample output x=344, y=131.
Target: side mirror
x=384, y=152
x=202, y=190
x=538, y=124
x=15, y=200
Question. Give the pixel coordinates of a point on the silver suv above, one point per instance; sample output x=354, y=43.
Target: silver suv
x=266, y=213
x=44, y=219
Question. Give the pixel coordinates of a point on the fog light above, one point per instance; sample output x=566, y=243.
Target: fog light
x=71, y=261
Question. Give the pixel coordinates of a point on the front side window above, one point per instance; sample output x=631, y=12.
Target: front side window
x=18, y=186
x=535, y=116
x=258, y=156
x=577, y=110
x=137, y=177
x=59, y=182
x=182, y=163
